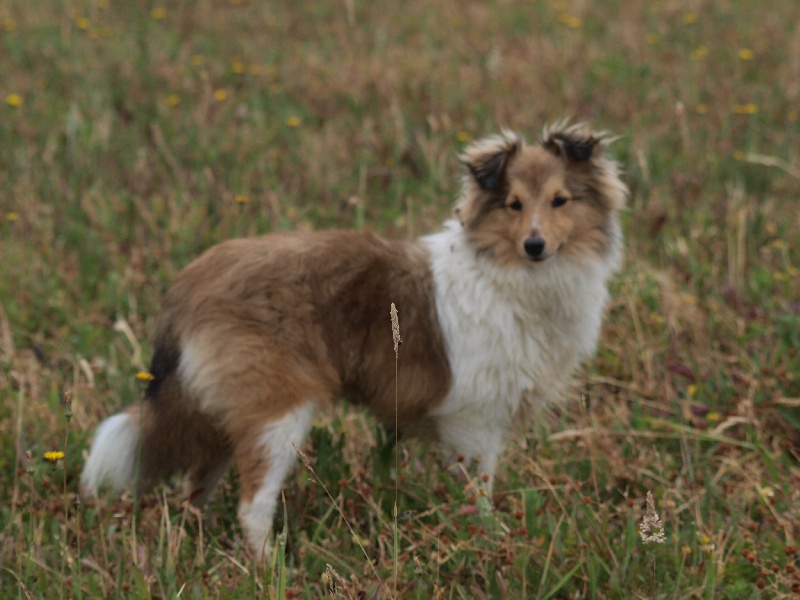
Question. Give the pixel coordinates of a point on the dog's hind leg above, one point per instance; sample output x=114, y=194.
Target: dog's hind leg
x=264, y=452
x=204, y=477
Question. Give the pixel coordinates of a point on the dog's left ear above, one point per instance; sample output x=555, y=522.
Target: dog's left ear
x=487, y=159
x=575, y=143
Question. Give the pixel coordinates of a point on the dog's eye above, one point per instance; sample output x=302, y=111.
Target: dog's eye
x=515, y=205
x=558, y=201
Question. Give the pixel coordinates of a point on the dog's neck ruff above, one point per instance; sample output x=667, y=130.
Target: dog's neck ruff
x=514, y=335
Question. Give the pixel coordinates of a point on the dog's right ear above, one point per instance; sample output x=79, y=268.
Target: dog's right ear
x=487, y=159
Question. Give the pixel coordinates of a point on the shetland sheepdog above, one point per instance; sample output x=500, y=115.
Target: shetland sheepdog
x=497, y=310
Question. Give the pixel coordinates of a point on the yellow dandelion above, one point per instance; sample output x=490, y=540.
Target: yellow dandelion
x=780, y=276
x=293, y=122
x=570, y=20
x=144, y=376
x=738, y=155
x=701, y=108
x=652, y=38
x=240, y=199
x=692, y=390
x=220, y=95
x=8, y=24
x=11, y=217
x=706, y=544
x=713, y=417
x=237, y=67
x=82, y=23
x=158, y=13
x=173, y=100
x=746, y=54
x=463, y=136
x=14, y=100
x=53, y=455
x=690, y=18
x=745, y=109
x=699, y=53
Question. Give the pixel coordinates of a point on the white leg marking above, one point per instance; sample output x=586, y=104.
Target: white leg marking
x=278, y=441
x=471, y=436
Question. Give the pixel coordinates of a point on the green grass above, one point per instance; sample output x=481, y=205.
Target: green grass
x=135, y=135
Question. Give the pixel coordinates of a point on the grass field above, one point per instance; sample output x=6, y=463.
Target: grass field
x=133, y=135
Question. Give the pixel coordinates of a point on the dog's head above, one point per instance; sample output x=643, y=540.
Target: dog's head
x=524, y=204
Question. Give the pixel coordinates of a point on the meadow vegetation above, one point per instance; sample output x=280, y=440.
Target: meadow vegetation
x=134, y=135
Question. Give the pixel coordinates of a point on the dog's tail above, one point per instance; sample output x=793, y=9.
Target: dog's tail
x=162, y=435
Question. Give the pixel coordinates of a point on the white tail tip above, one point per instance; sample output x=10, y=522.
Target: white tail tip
x=112, y=460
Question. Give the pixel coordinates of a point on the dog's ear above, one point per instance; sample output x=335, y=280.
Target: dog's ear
x=487, y=159
x=575, y=143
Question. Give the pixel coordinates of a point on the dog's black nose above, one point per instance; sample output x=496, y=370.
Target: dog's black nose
x=534, y=247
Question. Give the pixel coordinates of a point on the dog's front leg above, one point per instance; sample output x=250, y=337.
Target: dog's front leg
x=471, y=436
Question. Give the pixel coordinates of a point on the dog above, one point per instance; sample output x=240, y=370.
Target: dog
x=497, y=311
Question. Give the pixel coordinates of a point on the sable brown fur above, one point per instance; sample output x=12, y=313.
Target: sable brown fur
x=289, y=318
x=568, y=163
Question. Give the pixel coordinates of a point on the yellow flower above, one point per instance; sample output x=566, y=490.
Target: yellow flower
x=293, y=122
x=738, y=155
x=692, y=390
x=463, y=136
x=570, y=20
x=8, y=24
x=652, y=39
x=713, y=417
x=746, y=54
x=237, y=67
x=241, y=199
x=699, y=53
x=254, y=70
x=701, y=108
x=173, y=100
x=53, y=456
x=745, y=109
x=690, y=18
x=14, y=100
x=706, y=544
x=82, y=23
x=197, y=60
x=144, y=376
x=221, y=94
x=158, y=13
x=11, y=217
x=780, y=276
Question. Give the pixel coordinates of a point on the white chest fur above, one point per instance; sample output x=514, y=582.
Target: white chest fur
x=514, y=335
